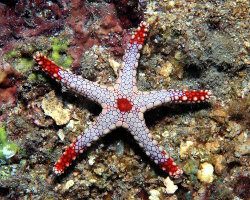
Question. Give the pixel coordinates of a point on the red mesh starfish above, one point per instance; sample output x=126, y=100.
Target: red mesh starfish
x=122, y=105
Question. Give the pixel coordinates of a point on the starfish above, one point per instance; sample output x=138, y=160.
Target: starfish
x=123, y=105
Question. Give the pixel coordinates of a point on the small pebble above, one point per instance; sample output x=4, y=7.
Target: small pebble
x=154, y=195
x=60, y=134
x=205, y=174
x=170, y=186
x=69, y=184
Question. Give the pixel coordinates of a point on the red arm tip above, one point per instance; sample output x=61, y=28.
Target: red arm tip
x=195, y=96
x=140, y=34
x=66, y=159
x=48, y=66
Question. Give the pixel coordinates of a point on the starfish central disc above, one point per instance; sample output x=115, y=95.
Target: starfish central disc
x=124, y=105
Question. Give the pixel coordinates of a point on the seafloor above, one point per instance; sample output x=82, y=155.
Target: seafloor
x=191, y=45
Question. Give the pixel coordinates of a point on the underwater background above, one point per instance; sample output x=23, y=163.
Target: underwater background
x=191, y=44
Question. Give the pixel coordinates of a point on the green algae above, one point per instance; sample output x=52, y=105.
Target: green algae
x=25, y=64
x=3, y=138
x=59, y=48
x=191, y=167
x=55, y=48
x=7, y=149
x=21, y=64
x=15, y=53
x=35, y=78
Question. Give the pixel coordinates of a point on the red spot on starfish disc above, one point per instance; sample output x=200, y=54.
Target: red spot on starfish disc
x=124, y=105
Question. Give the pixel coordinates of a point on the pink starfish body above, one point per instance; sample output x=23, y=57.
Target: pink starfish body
x=122, y=105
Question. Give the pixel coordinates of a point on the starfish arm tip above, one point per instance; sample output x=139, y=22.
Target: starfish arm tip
x=140, y=34
x=66, y=159
x=177, y=174
x=48, y=66
x=192, y=96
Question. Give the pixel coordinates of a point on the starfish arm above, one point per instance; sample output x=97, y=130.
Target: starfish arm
x=148, y=100
x=141, y=134
x=103, y=125
x=76, y=83
x=127, y=77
